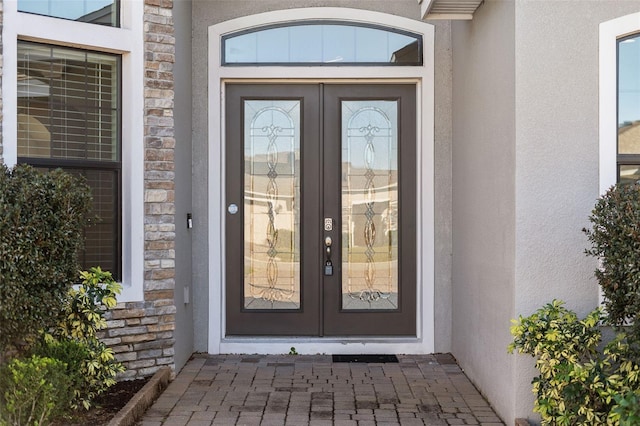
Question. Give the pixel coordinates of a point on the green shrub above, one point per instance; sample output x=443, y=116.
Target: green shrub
x=75, y=341
x=83, y=313
x=577, y=385
x=33, y=391
x=41, y=231
x=628, y=409
x=615, y=242
x=74, y=355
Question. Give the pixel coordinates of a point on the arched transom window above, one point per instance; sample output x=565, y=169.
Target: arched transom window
x=322, y=43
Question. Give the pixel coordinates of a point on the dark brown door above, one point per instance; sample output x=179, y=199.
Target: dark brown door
x=321, y=210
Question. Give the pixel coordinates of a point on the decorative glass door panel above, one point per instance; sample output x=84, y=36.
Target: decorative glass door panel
x=272, y=204
x=369, y=204
x=320, y=185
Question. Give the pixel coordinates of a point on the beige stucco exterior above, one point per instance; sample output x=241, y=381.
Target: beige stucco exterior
x=515, y=176
x=484, y=197
x=525, y=177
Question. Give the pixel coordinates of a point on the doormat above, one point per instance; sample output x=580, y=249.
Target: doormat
x=366, y=358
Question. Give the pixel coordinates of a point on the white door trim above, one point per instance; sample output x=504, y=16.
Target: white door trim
x=422, y=76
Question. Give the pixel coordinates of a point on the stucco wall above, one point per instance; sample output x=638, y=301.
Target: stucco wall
x=557, y=155
x=209, y=12
x=484, y=199
x=525, y=167
x=182, y=113
x=443, y=77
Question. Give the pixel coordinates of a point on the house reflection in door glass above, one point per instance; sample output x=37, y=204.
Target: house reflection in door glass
x=369, y=205
x=271, y=204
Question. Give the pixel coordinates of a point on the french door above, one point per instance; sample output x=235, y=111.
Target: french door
x=321, y=209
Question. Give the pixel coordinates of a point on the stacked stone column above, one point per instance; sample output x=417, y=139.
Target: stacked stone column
x=142, y=333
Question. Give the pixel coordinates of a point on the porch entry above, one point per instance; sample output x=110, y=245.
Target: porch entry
x=321, y=209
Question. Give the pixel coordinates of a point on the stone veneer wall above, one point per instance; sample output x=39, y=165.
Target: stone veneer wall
x=142, y=333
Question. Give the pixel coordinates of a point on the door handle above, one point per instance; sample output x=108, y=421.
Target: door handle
x=327, y=243
x=328, y=266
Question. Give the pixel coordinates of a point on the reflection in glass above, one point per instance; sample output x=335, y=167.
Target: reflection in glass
x=369, y=205
x=68, y=115
x=271, y=204
x=629, y=173
x=629, y=95
x=67, y=103
x=101, y=12
x=322, y=44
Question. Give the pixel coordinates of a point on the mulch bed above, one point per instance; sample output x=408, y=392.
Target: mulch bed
x=106, y=405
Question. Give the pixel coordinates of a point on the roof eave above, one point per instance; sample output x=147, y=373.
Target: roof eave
x=448, y=9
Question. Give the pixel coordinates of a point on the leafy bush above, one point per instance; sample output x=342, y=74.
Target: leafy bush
x=41, y=230
x=577, y=385
x=74, y=355
x=33, y=391
x=83, y=313
x=75, y=341
x=564, y=346
x=628, y=409
x=615, y=241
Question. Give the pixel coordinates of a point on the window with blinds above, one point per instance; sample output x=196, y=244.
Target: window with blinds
x=69, y=117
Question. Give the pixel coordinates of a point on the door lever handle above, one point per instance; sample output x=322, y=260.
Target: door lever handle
x=328, y=266
x=328, y=242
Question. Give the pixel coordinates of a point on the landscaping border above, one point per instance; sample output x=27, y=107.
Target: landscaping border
x=136, y=407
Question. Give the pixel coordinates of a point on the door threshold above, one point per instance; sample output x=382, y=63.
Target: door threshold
x=349, y=339
x=319, y=345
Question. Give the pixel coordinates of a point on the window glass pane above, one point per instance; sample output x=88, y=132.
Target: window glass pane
x=319, y=43
x=271, y=204
x=67, y=103
x=69, y=117
x=102, y=238
x=629, y=95
x=629, y=173
x=101, y=12
x=370, y=207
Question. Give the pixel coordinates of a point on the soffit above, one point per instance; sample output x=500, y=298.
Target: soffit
x=448, y=9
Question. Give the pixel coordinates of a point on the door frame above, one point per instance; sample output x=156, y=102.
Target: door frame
x=423, y=78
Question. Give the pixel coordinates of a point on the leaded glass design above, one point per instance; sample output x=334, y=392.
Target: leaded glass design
x=369, y=205
x=271, y=204
x=322, y=43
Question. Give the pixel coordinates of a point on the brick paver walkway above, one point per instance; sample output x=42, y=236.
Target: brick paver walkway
x=277, y=390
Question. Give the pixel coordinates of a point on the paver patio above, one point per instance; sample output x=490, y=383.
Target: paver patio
x=276, y=390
